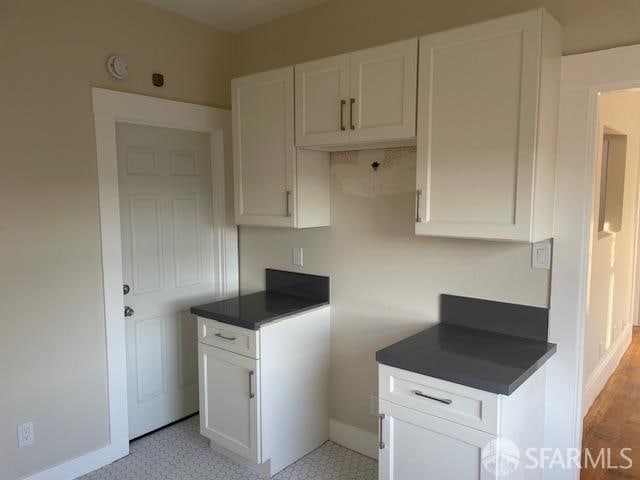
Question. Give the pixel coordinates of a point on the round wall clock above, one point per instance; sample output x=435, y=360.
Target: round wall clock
x=117, y=67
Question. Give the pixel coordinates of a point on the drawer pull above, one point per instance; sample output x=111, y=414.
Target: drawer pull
x=251, y=394
x=446, y=401
x=231, y=339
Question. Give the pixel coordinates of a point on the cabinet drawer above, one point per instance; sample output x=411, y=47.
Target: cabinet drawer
x=458, y=403
x=228, y=337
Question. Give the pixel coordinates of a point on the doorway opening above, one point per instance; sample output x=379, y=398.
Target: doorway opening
x=112, y=110
x=612, y=285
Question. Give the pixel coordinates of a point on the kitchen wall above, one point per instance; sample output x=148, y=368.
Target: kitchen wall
x=610, y=285
x=385, y=280
x=338, y=26
x=52, y=339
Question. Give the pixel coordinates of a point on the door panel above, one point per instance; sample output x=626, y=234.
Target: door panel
x=418, y=445
x=167, y=248
x=264, y=152
x=383, y=85
x=478, y=93
x=229, y=412
x=321, y=87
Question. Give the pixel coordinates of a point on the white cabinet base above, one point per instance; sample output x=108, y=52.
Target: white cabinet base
x=288, y=415
x=429, y=439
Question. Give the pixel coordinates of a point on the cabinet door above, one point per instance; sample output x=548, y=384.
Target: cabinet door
x=382, y=104
x=322, y=91
x=263, y=148
x=477, y=110
x=418, y=445
x=229, y=403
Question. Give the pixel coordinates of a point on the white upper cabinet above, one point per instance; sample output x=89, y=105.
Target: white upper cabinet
x=382, y=105
x=487, y=121
x=322, y=91
x=356, y=100
x=275, y=184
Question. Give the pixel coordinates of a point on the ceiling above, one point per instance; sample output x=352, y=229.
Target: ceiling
x=232, y=15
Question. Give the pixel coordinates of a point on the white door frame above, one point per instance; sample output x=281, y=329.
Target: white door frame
x=110, y=107
x=583, y=76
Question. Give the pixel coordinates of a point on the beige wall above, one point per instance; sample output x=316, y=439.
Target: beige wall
x=338, y=26
x=52, y=341
x=385, y=281
x=610, y=283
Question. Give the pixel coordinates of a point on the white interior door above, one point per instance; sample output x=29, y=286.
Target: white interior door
x=167, y=252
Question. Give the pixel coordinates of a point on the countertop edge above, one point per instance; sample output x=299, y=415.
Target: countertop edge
x=218, y=317
x=473, y=382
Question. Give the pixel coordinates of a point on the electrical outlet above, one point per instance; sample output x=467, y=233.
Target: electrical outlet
x=374, y=407
x=26, y=434
x=297, y=256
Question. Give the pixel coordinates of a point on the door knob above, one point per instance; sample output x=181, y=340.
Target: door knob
x=125, y=289
x=128, y=311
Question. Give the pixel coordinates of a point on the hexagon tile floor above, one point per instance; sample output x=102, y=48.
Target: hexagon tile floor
x=179, y=452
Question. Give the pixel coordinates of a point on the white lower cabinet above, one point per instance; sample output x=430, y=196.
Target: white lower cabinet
x=418, y=445
x=435, y=429
x=228, y=402
x=267, y=406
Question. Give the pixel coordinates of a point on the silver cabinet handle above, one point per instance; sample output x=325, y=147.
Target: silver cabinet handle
x=342, y=104
x=288, y=202
x=251, y=394
x=381, y=444
x=418, y=195
x=353, y=100
x=446, y=401
x=231, y=339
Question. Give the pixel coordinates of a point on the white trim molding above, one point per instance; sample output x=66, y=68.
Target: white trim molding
x=354, y=438
x=110, y=107
x=598, y=379
x=583, y=77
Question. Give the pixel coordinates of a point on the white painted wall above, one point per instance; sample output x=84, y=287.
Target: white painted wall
x=609, y=314
x=385, y=280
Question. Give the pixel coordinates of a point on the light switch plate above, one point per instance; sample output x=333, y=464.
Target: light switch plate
x=298, y=258
x=541, y=255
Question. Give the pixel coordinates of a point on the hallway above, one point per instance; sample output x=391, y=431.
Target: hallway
x=613, y=422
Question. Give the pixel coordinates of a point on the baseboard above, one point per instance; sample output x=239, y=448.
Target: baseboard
x=354, y=438
x=598, y=379
x=81, y=465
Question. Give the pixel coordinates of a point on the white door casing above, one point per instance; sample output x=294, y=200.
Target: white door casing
x=110, y=107
x=167, y=251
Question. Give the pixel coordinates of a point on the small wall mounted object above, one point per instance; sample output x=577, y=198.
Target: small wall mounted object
x=158, y=79
x=117, y=66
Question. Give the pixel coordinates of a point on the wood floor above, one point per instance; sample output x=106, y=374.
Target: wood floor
x=613, y=422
